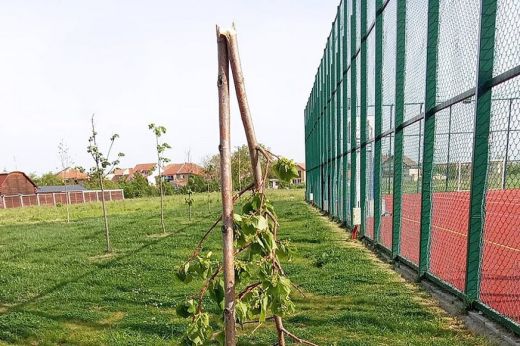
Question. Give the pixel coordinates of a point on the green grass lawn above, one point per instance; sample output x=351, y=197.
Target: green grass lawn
x=56, y=287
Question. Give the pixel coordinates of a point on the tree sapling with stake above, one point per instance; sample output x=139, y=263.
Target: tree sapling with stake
x=161, y=160
x=102, y=167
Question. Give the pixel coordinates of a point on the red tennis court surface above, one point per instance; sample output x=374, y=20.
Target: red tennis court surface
x=500, y=269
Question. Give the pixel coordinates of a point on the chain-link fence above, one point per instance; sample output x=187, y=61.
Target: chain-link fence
x=413, y=123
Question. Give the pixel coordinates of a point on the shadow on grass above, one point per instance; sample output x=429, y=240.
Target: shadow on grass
x=107, y=264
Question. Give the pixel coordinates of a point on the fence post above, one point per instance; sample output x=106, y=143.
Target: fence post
x=363, y=117
x=399, y=116
x=345, y=112
x=54, y=199
x=339, y=157
x=38, y=198
x=353, y=109
x=480, y=148
x=429, y=135
x=378, y=81
x=332, y=106
x=21, y=200
x=110, y=195
x=3, y=202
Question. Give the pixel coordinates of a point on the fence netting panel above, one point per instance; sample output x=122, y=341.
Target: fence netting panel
x=387, y=177
x=456, y=189
x=500, y=266
x=411, y=192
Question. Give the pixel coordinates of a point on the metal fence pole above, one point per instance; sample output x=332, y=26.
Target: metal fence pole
x=332, y=106
x=429, y=135
x=363, y=118
x=339, y=75
x=345, y=112
x=399, y=116
x=480, y=148
x=378, y=115
x=353, y=108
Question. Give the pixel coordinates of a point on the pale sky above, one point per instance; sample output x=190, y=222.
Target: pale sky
x=136, y=62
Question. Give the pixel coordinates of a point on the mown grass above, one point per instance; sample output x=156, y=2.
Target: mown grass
x=56, y=287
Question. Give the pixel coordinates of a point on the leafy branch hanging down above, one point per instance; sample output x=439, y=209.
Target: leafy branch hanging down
x=263, y=289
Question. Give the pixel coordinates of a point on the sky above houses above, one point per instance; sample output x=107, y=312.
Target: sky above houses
x=136, y=62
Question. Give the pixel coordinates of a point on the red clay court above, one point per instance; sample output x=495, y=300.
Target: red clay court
x=500, y=285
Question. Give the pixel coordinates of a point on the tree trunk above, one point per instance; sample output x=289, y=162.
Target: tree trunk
x=105, y=216
x=243, y=105
x=279, y=329
x=227, y=189
x=161, y=190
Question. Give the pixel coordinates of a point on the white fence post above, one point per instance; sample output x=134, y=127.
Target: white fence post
x=83, y=196
x=110, y=195
x=21, y=200
x=54, y=199
x=3, y=201
x=38, y=198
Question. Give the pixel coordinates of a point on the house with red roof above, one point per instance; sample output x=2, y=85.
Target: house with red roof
x=178, y=174
x=72, y=175
x=16, y=183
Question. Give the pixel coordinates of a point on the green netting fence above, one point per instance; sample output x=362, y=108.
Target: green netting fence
x=413, y=123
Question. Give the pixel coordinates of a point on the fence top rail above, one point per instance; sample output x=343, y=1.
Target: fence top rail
x=57, y=193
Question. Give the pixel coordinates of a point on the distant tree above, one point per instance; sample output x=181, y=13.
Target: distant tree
x=158, y=131
x=47, y=179
x=103, y=165
x=66, y=161
x=137, y=187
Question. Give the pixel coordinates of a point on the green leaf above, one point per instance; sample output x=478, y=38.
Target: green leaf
x=216, y=292
x=285, y=169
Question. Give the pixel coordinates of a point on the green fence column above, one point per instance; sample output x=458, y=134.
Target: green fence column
x=333, y=111
x=480, y=148
x=399, y=116
x=345, y=113
x=353, y=109
x=363, y=117
x=378, y=84
x=338, y=113
x=429, y=135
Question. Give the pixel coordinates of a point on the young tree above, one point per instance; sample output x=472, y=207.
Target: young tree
x=158, y=131
x=252, y=250
x=102, y=167
x=66, y=162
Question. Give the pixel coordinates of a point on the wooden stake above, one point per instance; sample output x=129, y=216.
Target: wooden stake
x=243, y=105
x=227, y=188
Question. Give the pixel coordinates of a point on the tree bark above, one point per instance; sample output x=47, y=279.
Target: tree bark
x=227, y=188
x=243, y=105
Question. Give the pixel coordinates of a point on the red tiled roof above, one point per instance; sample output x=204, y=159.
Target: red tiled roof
x=72, y=173
x=144, y=167
x=301, y=165
x=182, y=168
x=3, y=177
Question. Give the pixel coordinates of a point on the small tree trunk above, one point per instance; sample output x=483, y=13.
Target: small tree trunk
x=68, y=200
x=279, y=329
x=161, y=190
x=105, y=216
x=227, y=189
x=243, y=105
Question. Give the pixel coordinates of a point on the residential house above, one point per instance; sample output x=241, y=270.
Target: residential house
x=301, y=174
x=16, y=183
x=147, y=170
x=72, y=175
x=178, y=174
x=120, y=174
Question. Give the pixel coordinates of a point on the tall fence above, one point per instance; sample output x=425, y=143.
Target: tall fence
x=414, y=118
x=56, y=198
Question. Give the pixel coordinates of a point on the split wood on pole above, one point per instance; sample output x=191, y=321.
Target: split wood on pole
x=243, y=105
x=227, y=188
